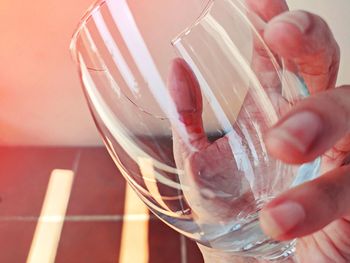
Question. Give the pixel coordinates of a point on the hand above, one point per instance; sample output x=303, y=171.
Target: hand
x=317, y=212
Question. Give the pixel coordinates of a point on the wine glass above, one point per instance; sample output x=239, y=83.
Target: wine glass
x=179, y=96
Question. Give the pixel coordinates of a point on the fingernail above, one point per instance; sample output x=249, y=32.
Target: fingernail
x=279, y=220
x=299, y=131
x=299, y=19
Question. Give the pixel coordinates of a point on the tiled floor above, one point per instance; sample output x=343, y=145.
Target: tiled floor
x=95, y=228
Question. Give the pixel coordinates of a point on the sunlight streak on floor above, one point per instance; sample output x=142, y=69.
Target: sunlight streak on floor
x=134, y=241
x=47, y=233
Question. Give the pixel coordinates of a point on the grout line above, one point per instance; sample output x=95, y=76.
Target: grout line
x=76, y=162
x=78, y=218
x=183, y=249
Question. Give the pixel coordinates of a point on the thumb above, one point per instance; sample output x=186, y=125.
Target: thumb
x=185, y=92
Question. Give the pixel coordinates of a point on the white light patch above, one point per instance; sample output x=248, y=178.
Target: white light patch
x=47, y=233
x=134, y=241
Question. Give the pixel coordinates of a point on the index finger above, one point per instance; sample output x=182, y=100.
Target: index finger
x=262, y=61
x=307, y=40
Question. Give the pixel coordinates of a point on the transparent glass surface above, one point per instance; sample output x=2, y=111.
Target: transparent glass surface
x=229, y=91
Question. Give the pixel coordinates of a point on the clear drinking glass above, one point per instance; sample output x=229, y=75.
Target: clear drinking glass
x=210, y=191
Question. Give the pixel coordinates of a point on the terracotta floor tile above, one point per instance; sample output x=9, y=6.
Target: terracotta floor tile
x=15, y=241
x=193, y=253
x=99, y=188
x=93, y=229
x=24, y=175
x=89, y=242
x=95, y=242
x=164, y=243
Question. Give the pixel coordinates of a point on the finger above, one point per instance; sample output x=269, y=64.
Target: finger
x=314, y=126
x=263, y=11
x=339, y=155
x=267, y=9
x=185, y=92
x=306, y=40
x=309, y=207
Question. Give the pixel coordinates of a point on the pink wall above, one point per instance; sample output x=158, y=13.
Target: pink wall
x=40, y=96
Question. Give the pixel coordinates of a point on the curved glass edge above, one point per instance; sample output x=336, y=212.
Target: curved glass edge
x=83, y=21
x=97, y=5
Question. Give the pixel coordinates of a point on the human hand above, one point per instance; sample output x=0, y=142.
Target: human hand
x=307, y=40
x=317, y=212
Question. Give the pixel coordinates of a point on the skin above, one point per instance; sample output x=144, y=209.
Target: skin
x=322, y=206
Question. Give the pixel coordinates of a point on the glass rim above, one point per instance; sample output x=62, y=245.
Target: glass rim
x=82, y=22
x=97, y=5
